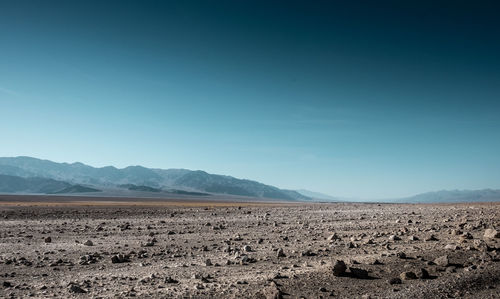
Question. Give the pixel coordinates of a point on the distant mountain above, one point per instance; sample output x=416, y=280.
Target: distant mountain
x=176, y=179
x=133, y=187
x=15, y=184
x=76, y=189
x=317, y=195
x=454, y=196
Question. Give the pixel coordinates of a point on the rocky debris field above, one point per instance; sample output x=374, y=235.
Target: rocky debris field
x=250, y=251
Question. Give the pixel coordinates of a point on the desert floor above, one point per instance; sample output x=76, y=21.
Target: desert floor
x=100, y=248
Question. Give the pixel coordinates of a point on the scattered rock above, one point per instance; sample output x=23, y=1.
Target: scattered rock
x=408, y=275
x=491, y=233
x=208, y=262
x=119, y=258
x=74, y=288
x=395, y=281
x=442, y=261
x=401, y=255
x=423, y=274
x=169, y=279
x=451, y=247
x=432, y=238
x=273, y=292
x=359, y=273
x=339, y=268
x=88, y=243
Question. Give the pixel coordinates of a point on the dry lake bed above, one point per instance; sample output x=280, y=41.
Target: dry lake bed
x=60, y=248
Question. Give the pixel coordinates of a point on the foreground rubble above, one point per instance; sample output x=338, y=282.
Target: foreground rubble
x=250, y=251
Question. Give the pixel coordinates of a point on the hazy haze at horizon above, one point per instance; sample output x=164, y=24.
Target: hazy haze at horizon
x=355, y=100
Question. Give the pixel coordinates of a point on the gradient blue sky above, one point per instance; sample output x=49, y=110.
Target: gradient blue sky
x=370, y=99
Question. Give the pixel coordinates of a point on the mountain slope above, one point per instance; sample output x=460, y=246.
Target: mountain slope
x=317, y=195
x=78, y=173
x=454, y=196
x=15, y=184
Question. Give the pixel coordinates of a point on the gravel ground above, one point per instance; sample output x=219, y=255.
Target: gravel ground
x=236, y=250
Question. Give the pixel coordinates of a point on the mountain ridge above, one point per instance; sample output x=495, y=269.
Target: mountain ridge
x=189, y=180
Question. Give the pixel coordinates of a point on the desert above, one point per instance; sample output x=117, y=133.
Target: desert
x=102, y=248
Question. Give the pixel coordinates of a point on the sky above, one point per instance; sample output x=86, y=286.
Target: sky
x=364, y=99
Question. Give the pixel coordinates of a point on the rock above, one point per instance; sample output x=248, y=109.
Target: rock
x=308, y=253
x=359, y=273
x=280, y=253
x=401, y=255
x=451, y=247
x=88, y=243
x=333, y=237
x=7, y=284
x=466, y=236
x=48, y=240
x=119, y=258
x=247, y=248
x=442, y=261
x=413, y=238
x=208, y=262
x=432, y=238
x=481, y=245
x=349, y=245
x=279, y=276
x=491, y=233
x=408, y=275
x=73, y=288
x=395, y=281
x=273, y=292
x=339, y=268
x=423, y=274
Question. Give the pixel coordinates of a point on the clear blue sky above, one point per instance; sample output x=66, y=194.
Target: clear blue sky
x=370, y=99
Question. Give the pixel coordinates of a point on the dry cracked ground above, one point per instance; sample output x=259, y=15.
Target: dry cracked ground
x=256, y=250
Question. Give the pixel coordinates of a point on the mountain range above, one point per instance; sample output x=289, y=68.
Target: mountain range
x=453, y=196
x=180, y=181
x=29, y=175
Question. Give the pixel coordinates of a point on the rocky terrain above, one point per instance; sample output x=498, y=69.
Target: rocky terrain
x=248, y=250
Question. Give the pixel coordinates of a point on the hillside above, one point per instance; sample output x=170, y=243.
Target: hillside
x=15, y=184
x=146, y=179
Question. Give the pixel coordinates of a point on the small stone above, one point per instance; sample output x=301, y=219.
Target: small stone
x=491, y=233
x=273, y=292
x=169, y=279
x=280, y=253
x=432, y=238
x=7, y=284
x=359, y=273
x=408, y=275
x=451, y=247
x=333, y=237
x=339, y=268
x=48, y=240
x=119, y=258
x=401, y=255
x=395, y=281
x=442, y=261
x=208, y=262
x=73, y=288
x=88, y=243
x=423, y=274
x=247, y=248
